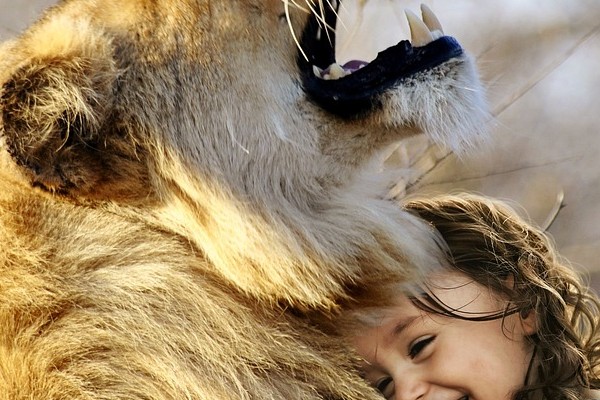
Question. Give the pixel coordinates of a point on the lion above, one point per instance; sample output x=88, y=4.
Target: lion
x=184, y=182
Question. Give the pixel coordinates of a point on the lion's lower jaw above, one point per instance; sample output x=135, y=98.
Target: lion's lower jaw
x=447, y=103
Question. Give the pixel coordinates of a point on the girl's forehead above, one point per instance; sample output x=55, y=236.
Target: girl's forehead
x=461, y=293
x=453, y=291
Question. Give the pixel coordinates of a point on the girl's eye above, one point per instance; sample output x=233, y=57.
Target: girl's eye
x=386, y=387
x=418, y=346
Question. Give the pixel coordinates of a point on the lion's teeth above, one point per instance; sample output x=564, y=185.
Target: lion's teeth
x=437, y=34
x=419, y=32
x=432, y=21
x=317, y=71
x=336, y=71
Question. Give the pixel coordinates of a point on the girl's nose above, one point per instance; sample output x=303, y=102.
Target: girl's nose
x=410, y=386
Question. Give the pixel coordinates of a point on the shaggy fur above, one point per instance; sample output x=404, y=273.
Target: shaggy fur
x=172, y=203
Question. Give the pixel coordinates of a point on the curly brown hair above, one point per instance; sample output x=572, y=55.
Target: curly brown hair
x=488, y=241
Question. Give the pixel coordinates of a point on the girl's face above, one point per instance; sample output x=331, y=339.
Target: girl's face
x=413, y=354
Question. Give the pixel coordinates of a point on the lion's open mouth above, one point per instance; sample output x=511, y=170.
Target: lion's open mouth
x=351, y=89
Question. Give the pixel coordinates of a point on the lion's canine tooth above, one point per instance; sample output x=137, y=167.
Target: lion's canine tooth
x=432, y=21
x=437, y=34
x=419, y=32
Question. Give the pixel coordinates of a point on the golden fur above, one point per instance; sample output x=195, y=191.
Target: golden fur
x=172, y=203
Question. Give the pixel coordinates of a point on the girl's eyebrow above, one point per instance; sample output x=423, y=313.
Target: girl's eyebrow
x=404, y=324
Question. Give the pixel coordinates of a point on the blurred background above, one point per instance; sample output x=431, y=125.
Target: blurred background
x=540, y=62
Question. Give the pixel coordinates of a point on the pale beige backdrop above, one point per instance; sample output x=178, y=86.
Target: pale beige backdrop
x=540, y=60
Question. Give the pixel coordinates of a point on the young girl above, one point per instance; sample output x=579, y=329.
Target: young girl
x=508, y=318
